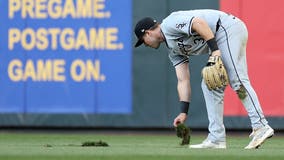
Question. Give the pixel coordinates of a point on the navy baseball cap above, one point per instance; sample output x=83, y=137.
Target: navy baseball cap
x=140, y=28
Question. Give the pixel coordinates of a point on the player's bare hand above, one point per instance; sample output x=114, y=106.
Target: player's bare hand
x=180, y=119
x=216, y=53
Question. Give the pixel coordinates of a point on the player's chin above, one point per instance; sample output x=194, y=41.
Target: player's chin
x=156, y=46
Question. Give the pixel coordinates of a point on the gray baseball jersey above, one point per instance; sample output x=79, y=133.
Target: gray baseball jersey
x=231, y=36
x=181, y=40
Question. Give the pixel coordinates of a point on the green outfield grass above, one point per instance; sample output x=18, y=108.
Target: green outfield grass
x=33, y=146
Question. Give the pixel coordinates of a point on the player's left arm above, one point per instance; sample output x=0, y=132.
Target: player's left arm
x=202, y=28
x=214, y=73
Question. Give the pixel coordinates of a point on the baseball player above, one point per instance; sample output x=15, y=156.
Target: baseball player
x=224, y=38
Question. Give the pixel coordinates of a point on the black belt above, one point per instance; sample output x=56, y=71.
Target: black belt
x=218, y=24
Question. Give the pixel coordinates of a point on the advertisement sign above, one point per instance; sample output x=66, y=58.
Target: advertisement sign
x=65, y=56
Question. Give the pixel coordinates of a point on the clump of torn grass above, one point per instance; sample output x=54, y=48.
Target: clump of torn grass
x=94, y=144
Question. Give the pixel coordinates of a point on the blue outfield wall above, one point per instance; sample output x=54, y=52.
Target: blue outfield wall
x=65, y=57
x=71, y=63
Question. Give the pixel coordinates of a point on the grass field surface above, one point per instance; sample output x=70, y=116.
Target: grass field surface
x=129, y=146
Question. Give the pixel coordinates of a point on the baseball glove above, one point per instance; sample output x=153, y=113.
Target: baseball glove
x=214, y=73
x=184, y=133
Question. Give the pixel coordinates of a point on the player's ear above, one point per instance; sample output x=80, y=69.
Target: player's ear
x=147, y=33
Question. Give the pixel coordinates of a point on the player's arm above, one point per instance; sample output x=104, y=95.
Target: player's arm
x=202, y=28
x=183, y=85
x=184, y=91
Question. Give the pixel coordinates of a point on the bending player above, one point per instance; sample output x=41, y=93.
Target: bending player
x=195, y=32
